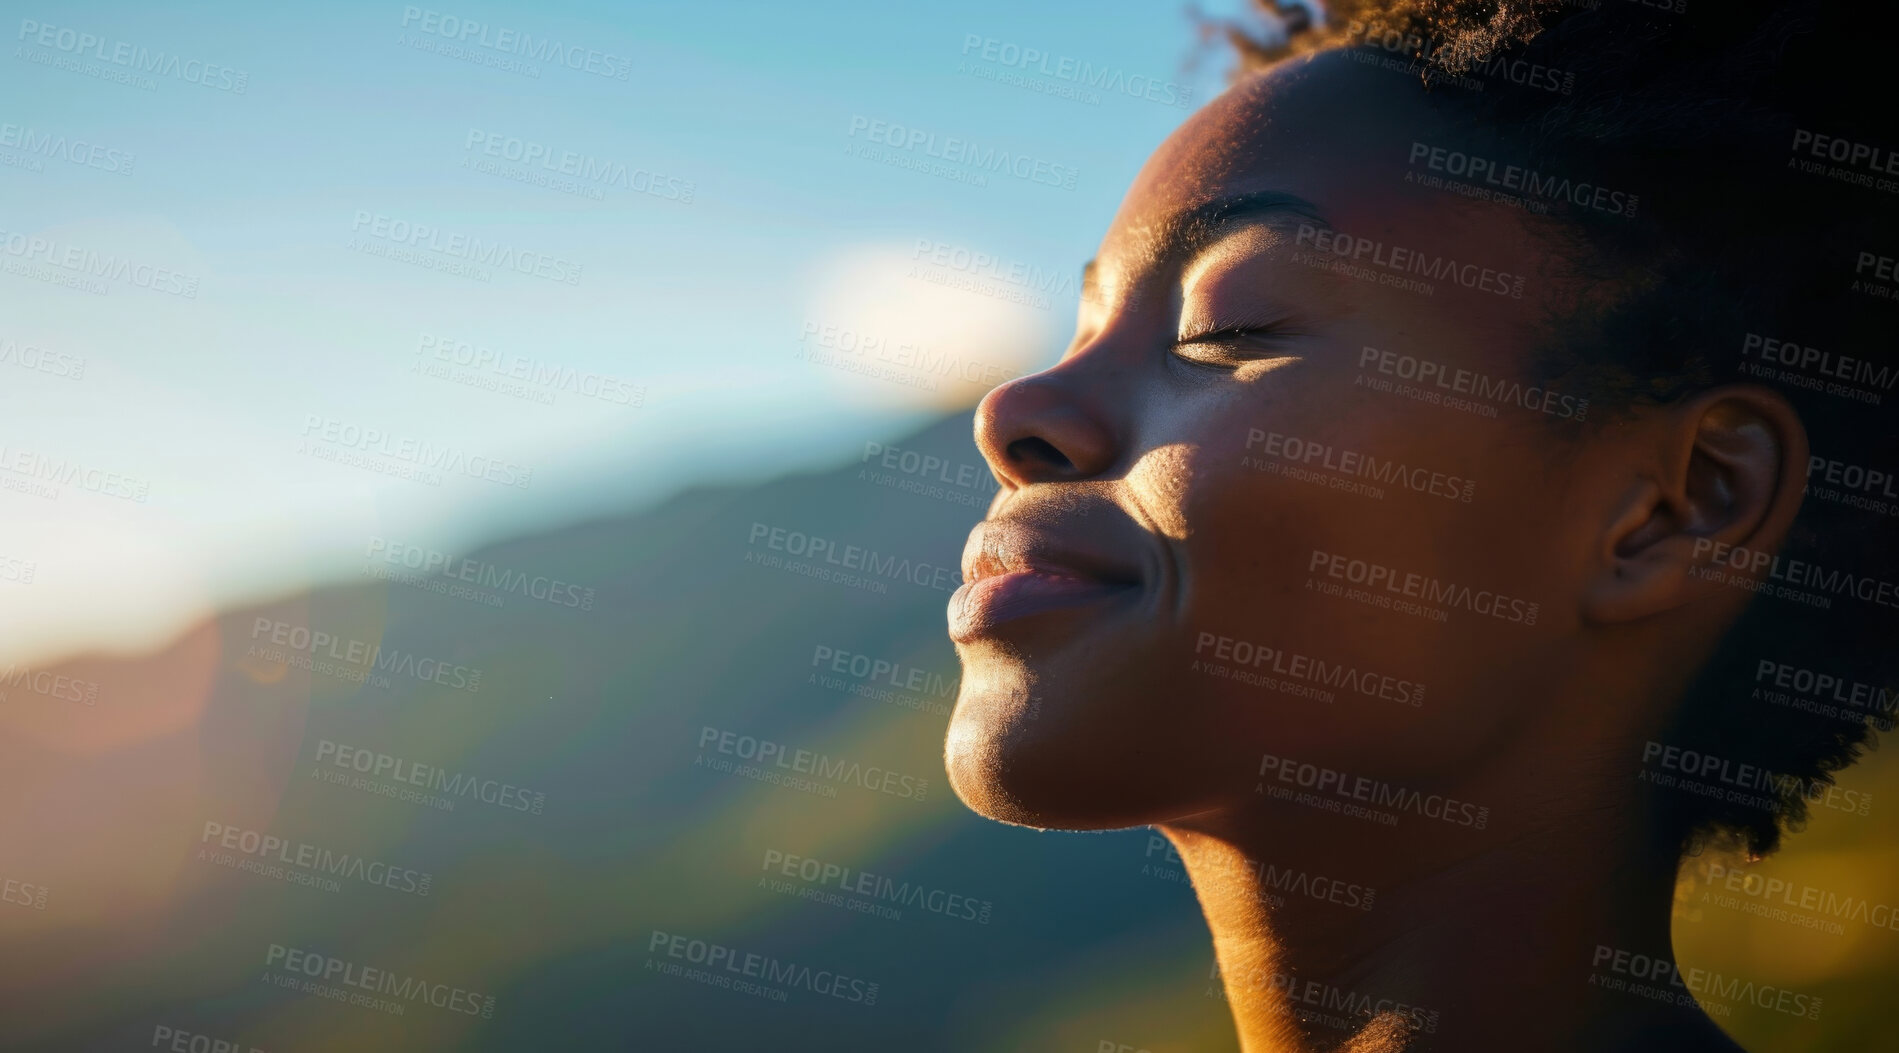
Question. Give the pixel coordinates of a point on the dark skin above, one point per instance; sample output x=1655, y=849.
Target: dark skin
x=1135, y=530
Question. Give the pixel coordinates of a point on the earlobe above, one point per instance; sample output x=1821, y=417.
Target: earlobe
x=1727, y=469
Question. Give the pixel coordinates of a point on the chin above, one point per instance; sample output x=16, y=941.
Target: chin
x=1055, y=760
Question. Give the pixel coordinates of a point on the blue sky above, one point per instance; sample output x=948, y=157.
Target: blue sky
x=271, y=372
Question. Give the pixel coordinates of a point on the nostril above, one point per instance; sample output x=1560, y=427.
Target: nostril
x=1039, y=453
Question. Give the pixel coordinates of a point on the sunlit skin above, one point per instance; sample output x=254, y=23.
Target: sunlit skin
x=1130, y=525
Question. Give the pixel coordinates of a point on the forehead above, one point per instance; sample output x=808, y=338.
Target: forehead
x=1343, y=136
x=1322, y=128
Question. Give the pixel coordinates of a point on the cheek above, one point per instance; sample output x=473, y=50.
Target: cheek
x=1245, y=517
x=1251, y=535
x=1234, y=533
x=1165, y=483
x=1200, y=482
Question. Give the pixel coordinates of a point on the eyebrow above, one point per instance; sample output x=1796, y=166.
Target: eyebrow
x=1187, y=233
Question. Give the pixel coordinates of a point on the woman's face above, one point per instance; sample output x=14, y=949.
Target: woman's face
x=1295, y=439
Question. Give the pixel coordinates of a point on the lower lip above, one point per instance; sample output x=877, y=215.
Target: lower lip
x=980, y=606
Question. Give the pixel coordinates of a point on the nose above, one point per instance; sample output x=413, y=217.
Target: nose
x=1042, y=429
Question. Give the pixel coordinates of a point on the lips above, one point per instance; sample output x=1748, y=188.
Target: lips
x=1012, y=571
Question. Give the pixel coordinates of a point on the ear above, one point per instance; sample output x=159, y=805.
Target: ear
x=1729, y=467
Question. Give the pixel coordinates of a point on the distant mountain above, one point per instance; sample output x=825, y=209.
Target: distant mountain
x=670, y=782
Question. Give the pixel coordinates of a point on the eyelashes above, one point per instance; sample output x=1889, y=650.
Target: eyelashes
x=1232, y=346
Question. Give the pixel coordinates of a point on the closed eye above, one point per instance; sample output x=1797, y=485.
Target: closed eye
x=1232, y=346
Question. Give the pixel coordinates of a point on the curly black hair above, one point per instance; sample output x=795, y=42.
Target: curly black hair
x=1757, y=140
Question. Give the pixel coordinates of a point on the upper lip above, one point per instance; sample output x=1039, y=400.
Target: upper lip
x=1002, y=546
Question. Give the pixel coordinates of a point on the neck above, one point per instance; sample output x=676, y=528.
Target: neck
x=1338, y=933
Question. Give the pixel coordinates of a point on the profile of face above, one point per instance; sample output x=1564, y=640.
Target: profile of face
x=1294, y=496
